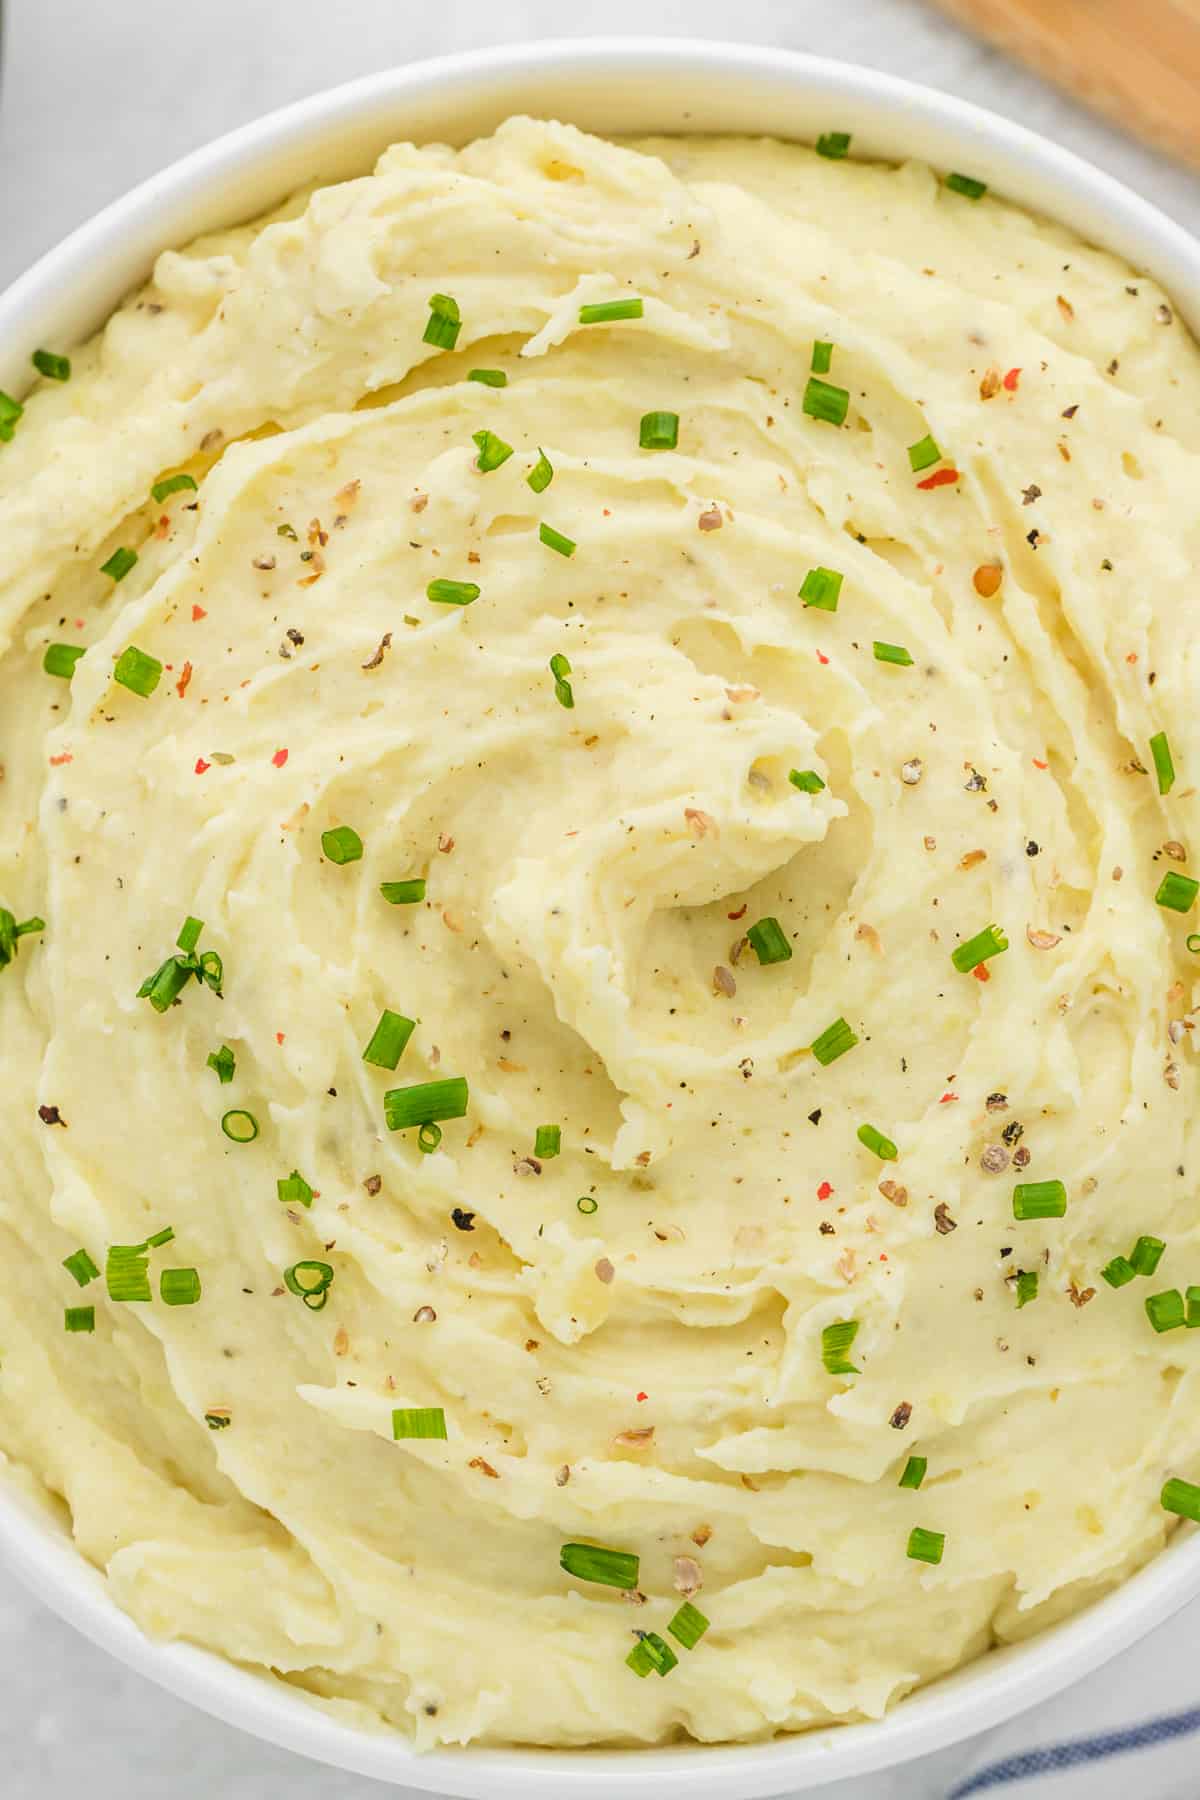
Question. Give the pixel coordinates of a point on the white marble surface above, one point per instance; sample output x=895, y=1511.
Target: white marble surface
x=96, y=95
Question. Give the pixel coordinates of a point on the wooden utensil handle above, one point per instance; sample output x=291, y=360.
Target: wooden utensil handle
x=1138, y=61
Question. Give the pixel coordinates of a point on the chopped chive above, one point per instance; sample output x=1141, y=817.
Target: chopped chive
x=239, y=1126
x=591, y=1562
x=925, y=1546
x=1146, y=1255
x=1117, y=1272
x=1164, y=767
x=10, y=411
x=986, y=943
x=875, y=1141
x=1192, y=1319
x=11, y=932
x=418, y=1422
x=1027, y=1287
x=1182, y=1497
x=210, y=970
x=1193, y=943
x=429, y=1136
x=1166, y=1311
x=807, y=780
x=609, y=310
x=492, y=451
x=560, y=668
x=659, y=431
x=311, y=1281
x=388, y=1039
x=293, y=1190
x=119, y=564
x=1178, y=892
x=80, y=1265
x=444, y=324
x=923, y=454
x=968, y=185
x=452, y=593
x=179, y=1287
x=168, y=981
x=824, y=401
x=189, y=934
x=586, y=1203
x=833, y=1042
x=138, y=672
x=79, y=1318
x=60, y=659
x=127, y=1273
x=821, y=588
x=425, y=1102
x=164, y=1236
x=547, y=1141
x=913, y=1473
x=489, y=377
x=641, y=1659
x=892, y=653
x=554, y=540
x=54, y=368
x=688, y=1626
x=652, y=1652
x=768, y=942
x=1039, y=1200
x=833, y=144
x=822, y=357
x=342, y=845
x=403, y=893
x=541, y=474
x=174, y=484
x=223, y=1062
x=836, y=1340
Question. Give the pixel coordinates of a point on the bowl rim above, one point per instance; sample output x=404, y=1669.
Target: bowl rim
x=163, y=212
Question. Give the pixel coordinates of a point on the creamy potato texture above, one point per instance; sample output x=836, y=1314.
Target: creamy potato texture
x=625, y=1339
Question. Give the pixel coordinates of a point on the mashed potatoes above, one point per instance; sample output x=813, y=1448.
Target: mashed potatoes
x=714, y=720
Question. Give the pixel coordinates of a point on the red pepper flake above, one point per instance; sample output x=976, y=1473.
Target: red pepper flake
x=939, y=478
x=279, y=758
x=821, y=657
x=279, y=1036
x=181, y=686
x=741, y=911
x=1011, y=380
x=56, y=762
x=825, y=1191
x=79, y=624
x=198, y=612
x=643, y=1396
x=1039, y=764
x=202, y=767
x=946, y=1099
x=981, y=972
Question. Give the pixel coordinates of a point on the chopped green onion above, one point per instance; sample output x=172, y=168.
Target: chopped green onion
x=821, y=588
x=293, y=1190
x=1117, y=1272
x=547, y=1141
x=1039, y=1200
x=836, y=1340
x=659, y=431
x=688, y=1626
x=641, y=1659
x=1192, y=1318
x=168, y=981
x=160, y=1237
x=239, y=1126
x=489, y=377
x=923, y=455
x=560, y=668
x=189, y=934
x=210, y=970
x=1166, y=1311
x=968, y=185
x=1146, y=1255
x=1193, y=943
x=429, y=1136
x=179, y=1287
x=609, y=310
x=591, y=1562
x=1182, y=1497
x=833, y=1042
x=822, y=400
x=768, y=942
x=174, y=484
x=342, y=844
x=1177, y=892
x=418, y=1422
x=925, y=1546
x=444, y=324
x=652, y=1652
x=822, y=357
x=807, y=780
x=452, y=593
x=875, y=1141
x=913, y=1473
x=833, y=144
x=403, y=893
x=127, y=1273
x=587, y=1204
x=80, y=1265
x=311, y=1281
x=425, y=1102
x=554, y=540
x=541, y=474
x=11, y=932
x=986, y=943
x=54, y=368
x=388, y=1039
x=119, y=564
x=1027, y=1287
x=138, y=672
x=79, y=1318
x=223, y=1062
x=892, y=653
x=492, y=451
x=1164, y=767
x=60, y=659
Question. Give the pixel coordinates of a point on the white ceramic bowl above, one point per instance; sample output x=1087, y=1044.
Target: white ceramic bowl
x=615, y=86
